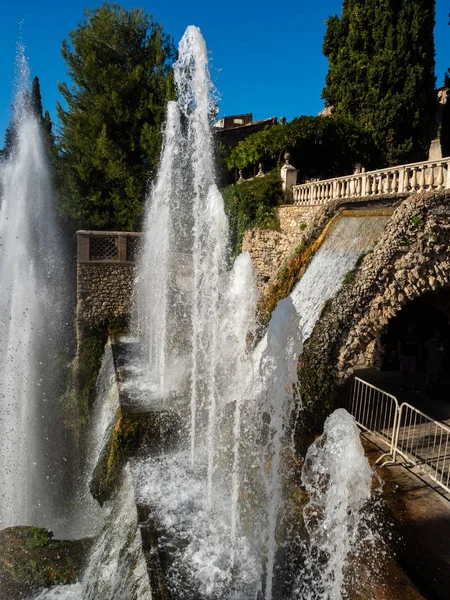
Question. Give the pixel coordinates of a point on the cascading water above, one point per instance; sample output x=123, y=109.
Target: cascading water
x=116, y=567
x=345, y=242
x=215, y=501
x=31, y=312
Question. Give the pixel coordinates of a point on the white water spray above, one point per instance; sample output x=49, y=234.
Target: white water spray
x=30, y=319
x=338, y=478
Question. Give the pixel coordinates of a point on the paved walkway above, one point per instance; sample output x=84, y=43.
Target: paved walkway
x=421, y=524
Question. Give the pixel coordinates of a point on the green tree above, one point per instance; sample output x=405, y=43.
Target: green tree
x=381, y=73
x=36, y=99
x=119, y=62
x=319, y=146
x=10, y=138
x=445, y=119
x=33, y=100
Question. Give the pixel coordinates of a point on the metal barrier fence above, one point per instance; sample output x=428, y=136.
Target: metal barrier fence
x=375, y=411
x=410, y=433
x=425, y=443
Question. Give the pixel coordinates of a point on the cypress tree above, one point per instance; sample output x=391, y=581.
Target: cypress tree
x=445, y=119
x=119, y=63
x=381, y=73
x=36, y=99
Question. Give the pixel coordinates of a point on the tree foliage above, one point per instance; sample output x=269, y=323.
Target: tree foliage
x=252, y=204
x=32, y=100
x=381, y=73
x=119, y=63
x=445, y=119
x=319, y=146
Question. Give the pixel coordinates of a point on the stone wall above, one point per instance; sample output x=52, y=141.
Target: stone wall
x=270, y=249
x=293, y=219
x=104, y=292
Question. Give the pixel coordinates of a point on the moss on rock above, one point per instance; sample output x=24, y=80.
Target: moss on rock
x=134, y=433
x=30, y=558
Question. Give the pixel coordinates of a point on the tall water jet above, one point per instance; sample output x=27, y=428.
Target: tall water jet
x=194, y=312
x=30, y=317
x=184, y=260
x=278, y=372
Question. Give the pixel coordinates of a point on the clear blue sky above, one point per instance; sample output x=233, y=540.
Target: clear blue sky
x=265, y=56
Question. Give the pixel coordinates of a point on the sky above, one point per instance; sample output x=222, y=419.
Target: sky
x=265, y=56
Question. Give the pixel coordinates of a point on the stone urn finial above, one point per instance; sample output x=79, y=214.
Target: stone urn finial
x=288, y=173
x=260, y=171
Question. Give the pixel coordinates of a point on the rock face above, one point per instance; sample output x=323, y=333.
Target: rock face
x=30, y=558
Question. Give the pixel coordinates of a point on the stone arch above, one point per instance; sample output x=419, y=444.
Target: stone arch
x=411, y=261
x=365, y=343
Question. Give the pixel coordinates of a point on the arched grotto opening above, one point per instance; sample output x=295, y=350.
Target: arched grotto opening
x=430, y=313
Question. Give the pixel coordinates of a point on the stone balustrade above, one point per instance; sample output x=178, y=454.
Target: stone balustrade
x=415, y=177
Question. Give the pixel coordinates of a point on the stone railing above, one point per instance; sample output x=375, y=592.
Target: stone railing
x=107, y=246
x=415, y=177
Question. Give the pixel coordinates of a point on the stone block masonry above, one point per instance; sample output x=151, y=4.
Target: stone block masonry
x=269, y=249
x=105, y=276
x=103, y=292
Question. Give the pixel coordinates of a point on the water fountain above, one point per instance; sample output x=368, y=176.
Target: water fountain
x=214, y=500
x=31, y=319
x=338, y=479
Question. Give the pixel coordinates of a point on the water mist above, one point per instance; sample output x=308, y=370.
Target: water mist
x=31, y=315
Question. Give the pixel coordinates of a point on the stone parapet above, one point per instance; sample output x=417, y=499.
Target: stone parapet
x=431, y=175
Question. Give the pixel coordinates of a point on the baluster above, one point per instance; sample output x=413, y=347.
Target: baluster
x=431, y=178
x=440, y=177
x=422, y=180
x=401, y=179
x=394, y=183
x=374, y=185
x=386, y=183
x=414, y=180
x=406, y=181
x=380, y=184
